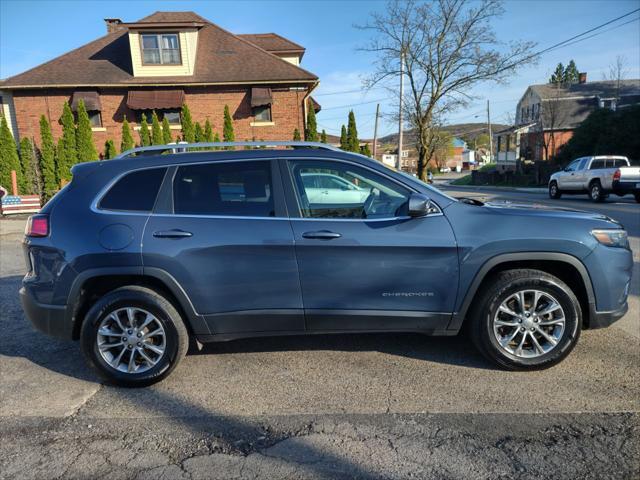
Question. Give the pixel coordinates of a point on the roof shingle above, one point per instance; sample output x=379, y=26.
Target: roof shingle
x=272, y=42
x=222, y=58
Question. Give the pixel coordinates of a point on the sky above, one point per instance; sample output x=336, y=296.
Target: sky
x=327, y=30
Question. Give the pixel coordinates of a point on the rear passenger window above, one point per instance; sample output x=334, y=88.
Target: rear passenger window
x=135, y=192
x=597, y=164
x=241, y=189
x=619, y=162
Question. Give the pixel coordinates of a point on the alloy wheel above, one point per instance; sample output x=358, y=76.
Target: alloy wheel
x=131, y=340
x=529, y=323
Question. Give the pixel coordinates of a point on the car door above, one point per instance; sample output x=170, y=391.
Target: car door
x=580, y=175
x=222, y=232
x=364, y=263
x=567, y=181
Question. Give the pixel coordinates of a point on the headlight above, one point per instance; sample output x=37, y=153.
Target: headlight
x=612, y=238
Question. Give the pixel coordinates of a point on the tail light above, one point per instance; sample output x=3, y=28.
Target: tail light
x=37, y=226
x=616, y=175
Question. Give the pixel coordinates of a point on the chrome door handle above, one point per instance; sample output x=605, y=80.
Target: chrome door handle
x=172, y=234
x=321, y=235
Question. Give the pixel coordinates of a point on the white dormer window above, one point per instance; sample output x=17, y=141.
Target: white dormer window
x=161, y=49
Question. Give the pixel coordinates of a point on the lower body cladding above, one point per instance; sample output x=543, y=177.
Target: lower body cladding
x=258, y=323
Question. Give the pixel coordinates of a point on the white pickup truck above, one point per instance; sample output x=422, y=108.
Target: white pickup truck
x=597, y=176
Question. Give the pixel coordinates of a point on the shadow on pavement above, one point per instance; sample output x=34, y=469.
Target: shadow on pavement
x=22, y=340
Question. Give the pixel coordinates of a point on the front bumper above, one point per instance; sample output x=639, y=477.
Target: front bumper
x=604, y=319
x=50, y=319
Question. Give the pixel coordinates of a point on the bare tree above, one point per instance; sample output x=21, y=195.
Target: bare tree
x=617, y=73
x=449, y=47
x=552, y=116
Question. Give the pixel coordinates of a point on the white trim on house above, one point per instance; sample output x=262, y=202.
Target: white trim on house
x=9, y=112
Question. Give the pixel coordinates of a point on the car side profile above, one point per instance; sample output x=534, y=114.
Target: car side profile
x=141, y=255
x=597, y=176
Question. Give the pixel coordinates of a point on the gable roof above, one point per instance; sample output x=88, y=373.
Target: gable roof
x=168, y=17
x=221, y=58
x=575, y=102
x=603, y=89
x=272, y=42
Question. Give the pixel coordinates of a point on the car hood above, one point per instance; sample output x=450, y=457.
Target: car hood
x=538, y=210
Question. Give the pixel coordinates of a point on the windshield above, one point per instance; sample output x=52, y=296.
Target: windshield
x=424, y=184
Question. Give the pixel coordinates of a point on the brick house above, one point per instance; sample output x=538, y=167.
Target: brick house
x=158, y=63
x=547, y=115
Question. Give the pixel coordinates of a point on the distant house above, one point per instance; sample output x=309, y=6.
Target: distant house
x=547, y=115
x=158, y=63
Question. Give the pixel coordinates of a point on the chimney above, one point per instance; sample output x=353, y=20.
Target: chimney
x=582, y=77
x=113, y=24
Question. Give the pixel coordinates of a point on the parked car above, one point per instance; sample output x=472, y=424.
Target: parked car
x=445, y=170
x=138, y=257
x=328, y=188
x=597, y=176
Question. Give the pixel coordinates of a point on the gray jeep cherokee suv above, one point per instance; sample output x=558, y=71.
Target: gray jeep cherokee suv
x=140, y=255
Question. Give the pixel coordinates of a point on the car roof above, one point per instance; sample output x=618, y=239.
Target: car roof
x=213, y=156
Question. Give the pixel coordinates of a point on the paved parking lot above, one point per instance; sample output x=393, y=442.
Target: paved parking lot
x=361, y=406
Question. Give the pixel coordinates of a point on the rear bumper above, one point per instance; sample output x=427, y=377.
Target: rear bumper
x=49, y=319
x=604, y=319
x=625, y=187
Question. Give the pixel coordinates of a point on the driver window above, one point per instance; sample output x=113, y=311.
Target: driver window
x=572, y=166
x=327, y=189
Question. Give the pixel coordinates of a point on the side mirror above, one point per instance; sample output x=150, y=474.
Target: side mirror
x=419, y=205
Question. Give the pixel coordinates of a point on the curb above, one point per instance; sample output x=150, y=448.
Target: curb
x=495, y=187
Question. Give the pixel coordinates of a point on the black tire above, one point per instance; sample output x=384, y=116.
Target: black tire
x=554, y=191
x=176, y=335
x=637, y=196
x=502, y=286
x=595, y=191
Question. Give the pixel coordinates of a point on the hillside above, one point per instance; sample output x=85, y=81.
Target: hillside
x=470, y=130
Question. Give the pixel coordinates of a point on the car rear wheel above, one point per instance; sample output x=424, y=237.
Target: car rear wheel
x=526, y=320
x=554, y=191
x=637, y=196
x=595, y=192
x=133, y=337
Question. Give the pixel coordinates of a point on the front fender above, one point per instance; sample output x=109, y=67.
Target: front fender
x=473, y=278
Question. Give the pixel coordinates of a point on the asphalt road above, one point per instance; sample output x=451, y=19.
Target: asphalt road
x=360, y=406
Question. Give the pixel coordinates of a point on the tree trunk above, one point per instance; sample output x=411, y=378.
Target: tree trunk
x=422, y=163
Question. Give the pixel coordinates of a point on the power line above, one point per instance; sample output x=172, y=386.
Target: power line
x=356, y=104
x=604, y=31
x=346, y=91
x=575, y=37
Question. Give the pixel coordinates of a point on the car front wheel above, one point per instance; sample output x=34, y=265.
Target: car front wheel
x=526, y=320
x=133, y=337
x=554, y=191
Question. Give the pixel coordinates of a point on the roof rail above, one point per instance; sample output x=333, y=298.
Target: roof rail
x=183, y=147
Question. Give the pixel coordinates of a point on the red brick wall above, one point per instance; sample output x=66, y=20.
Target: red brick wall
x=534, y=141
x=204, y=102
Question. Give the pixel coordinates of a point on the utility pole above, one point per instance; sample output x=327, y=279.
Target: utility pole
x=490, y=134
x=400, y=112
x=375, y=132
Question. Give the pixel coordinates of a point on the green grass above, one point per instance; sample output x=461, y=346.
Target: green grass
x=466, y=180
x=487, y=168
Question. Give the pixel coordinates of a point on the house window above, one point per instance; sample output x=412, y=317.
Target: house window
x=1, y=108
x=172, y=115
x=95, y=119
x=161, y=49
x=262, y=113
